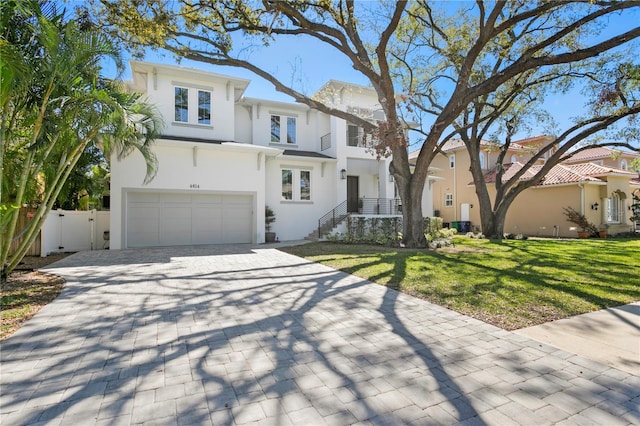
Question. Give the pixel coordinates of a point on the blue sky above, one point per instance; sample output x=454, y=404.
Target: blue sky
x=309, y=64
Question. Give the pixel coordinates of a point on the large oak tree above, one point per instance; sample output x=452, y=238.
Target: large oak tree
x=384, y=42
x=608, y=80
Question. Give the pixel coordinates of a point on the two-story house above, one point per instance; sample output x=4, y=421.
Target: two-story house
x=596, y=182
x=223, y=157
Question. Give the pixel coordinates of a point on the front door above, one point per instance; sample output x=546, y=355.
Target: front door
x=352, y=194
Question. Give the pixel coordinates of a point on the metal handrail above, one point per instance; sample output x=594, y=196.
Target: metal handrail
x=380, y=206
x=325, y=142
x=332, y=218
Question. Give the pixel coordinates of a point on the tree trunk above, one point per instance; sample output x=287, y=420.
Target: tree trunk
x=413, y=221
x=410, y=190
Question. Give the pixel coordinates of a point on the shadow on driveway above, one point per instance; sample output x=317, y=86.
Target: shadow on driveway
x=238, y=335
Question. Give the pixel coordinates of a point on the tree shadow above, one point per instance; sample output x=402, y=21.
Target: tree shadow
x=233, y=339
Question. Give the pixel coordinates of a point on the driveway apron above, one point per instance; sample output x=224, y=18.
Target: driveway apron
x=249, y=335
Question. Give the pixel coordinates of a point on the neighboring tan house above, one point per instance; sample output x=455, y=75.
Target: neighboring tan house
x=601, y=189
x=224, y=157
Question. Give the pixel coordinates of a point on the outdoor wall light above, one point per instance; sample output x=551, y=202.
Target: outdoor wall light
x=594, y=206
x=343, y=174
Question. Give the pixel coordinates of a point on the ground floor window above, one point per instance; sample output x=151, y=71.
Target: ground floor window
x=613, y=208
x=296, y=192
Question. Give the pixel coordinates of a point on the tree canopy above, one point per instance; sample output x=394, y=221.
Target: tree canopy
x=421, y=57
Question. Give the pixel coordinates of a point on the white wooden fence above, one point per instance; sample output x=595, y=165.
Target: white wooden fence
x=70, y=231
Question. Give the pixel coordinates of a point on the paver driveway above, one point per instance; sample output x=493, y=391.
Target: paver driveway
x=255, y=336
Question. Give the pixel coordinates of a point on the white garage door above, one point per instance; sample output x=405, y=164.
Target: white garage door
x=159, y=219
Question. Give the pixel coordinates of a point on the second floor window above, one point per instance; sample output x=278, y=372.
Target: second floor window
x=354, y=135
x=483, y=162
x=181, y=96
x=281, y=133
x=204, y=107
x=452, y=161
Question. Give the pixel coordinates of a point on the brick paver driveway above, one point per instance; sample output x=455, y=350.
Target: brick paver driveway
x=234, y=335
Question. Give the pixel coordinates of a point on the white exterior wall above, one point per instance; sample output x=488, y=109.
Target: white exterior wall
x=253, y=164
x=296, y=219
x=160, y=91
x=218, y=169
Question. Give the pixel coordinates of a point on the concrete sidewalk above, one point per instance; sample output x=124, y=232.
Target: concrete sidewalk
x=253, y=336
x=610, y=336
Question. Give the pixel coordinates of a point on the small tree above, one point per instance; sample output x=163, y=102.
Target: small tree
x=581, y=220
x=269, y=218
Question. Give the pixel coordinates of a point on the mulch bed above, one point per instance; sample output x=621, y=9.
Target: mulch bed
x=26, y=291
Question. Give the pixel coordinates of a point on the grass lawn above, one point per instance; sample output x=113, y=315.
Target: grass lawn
x=511, y=284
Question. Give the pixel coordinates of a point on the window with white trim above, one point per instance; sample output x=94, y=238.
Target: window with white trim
x=623, y=164
x=283, y=129
x=452, y=161
x=613, y=208
x=196, y=100
x=296, y=192
x=448, y=200
x=514, y=158
x=354, y=135
x=181, y=103
x=204, y=107
x=483, y=161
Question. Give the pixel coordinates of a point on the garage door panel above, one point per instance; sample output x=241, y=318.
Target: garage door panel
x=207, y=224
x=175, y=224
x=236, y=222
x=143, y=224
x=165, y=219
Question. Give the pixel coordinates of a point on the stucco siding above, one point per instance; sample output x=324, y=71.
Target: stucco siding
x=181, y=169
x=296, y=218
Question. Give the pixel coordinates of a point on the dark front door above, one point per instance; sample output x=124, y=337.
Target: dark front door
x=352, y=194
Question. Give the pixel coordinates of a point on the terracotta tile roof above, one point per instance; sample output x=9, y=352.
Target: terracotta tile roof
x=560, y=174
x=597, y=153
x=540, y=139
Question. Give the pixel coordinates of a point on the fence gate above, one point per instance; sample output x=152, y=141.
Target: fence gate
x=71, y=231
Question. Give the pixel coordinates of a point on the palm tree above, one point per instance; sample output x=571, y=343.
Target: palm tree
x=54, y=106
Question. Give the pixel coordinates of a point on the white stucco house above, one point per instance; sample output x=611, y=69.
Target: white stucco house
x=223, y=157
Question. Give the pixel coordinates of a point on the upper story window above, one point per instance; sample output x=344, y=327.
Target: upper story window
x=354, y=135
x=514, y=158
x=184, y=97
x=181, y=96
x=204, y=107
x=483, y=160
x=299, y=192
x=281, y=133
x=452, y=161
x=623, y=164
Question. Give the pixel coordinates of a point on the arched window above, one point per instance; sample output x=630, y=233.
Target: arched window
x=483, y=161
x=514, y=158
x=613, y=208
x=623, y=164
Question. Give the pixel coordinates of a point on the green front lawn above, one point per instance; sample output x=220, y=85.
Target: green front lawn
x=511, y=284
